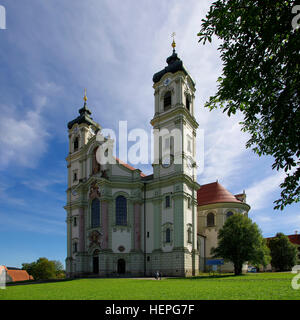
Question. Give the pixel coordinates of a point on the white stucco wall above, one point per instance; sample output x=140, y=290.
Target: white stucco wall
x=121, y=238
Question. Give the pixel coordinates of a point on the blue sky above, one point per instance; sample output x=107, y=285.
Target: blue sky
x=52, y=50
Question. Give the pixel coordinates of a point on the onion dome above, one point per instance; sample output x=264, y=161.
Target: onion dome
x=84, y=115
x=174, y=65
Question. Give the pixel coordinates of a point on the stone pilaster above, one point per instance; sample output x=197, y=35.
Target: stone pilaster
x=81, y=230
x=157, y=224
x=137, y=226
x=104, y=222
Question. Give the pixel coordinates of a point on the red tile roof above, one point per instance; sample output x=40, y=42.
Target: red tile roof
x=128, y=166
x=18, y=275
x=214, y=193
x=295, y=238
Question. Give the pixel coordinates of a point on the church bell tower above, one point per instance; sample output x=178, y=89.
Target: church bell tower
x=174, y=165
x=174, y=123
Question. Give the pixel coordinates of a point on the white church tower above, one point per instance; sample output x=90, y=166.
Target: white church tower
x=174, y=167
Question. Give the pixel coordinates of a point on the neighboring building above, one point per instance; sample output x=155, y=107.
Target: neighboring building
x=120, y=221
x=294, y=239
x=15, y=274
x=215, y=205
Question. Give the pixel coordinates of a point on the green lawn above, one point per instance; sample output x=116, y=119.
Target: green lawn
x=270, y=286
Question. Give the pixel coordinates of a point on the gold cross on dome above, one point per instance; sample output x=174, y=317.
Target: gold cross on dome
x=173, y=43
x=85, y=97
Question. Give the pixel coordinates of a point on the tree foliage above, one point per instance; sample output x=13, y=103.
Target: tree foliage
x=261, y=78
x=241, y=241
x=44, y=269
x=283, y=253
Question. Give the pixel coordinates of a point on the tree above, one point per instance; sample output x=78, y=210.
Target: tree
x=283, y=253
x=59, y=269
x=241, y=241
x=29, y=267
x=44, y=269
x=261, y=79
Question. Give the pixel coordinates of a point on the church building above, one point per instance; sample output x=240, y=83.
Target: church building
x=121, y=222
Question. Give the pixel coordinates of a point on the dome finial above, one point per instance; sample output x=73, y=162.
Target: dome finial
x=173, y=43
x=85, y=97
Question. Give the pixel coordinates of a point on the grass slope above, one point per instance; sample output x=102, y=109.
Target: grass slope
x=268, y=286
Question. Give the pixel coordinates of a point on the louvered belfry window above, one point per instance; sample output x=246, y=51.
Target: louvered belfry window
x=167, y=101
x=188, y=104
x=76, y=144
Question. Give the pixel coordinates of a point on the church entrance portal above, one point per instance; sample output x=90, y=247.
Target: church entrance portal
x=96, y=265
x=96, y=262
x=121, y=266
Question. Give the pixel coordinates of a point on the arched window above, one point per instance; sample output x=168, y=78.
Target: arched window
x=188, y=103
x=75, y=247
x=168, y=202
x=229, y=214
x=121, y=211
x=168, y=235
x=210, y=219
x=96, y=165
x=189, y=235
x=167, y=101
x=95, y=213
x=76, y=144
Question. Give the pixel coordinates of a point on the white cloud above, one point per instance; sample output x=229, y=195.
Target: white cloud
x=260, y=193
x=10, y=198
x=225, y=151
x=277, y=221
x=22, y=141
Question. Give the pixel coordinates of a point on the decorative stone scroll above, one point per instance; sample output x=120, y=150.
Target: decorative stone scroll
x=95, y=237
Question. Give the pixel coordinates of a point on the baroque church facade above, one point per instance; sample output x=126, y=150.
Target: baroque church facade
x=123, y=222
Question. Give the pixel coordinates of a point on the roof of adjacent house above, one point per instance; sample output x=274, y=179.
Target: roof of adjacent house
x=294, y=238
x=17, y=275
x=214, y=193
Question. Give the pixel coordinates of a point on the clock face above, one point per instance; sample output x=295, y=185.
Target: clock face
x=167, y=81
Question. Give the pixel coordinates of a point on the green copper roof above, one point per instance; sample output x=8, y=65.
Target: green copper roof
x=174, y=65
x=84, y=117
